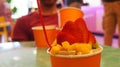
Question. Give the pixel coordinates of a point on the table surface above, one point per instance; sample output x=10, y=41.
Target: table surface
x=25, y=54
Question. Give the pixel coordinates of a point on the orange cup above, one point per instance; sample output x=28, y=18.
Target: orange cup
x=89, y=60
x=69, y=14
x=40, y=37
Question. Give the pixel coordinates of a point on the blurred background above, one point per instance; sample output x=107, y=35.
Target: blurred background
x=24, y=6
x=93, y=12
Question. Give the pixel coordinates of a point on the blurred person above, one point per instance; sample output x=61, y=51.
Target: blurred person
x=75, y=3
x=8, y=18
x=111, y=20
x=6, y=12
x=23, y=27
x=60, y=3
x=2, y=7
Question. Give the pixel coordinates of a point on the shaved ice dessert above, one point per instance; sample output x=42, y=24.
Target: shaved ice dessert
x=74, y=39
x=75, y=46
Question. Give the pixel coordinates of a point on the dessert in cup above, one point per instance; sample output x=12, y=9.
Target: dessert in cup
x=75, y=46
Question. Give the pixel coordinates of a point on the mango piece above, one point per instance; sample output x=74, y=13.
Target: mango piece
x=83, y=48
x=66, y=45
x=72, y=47
x=55, y=49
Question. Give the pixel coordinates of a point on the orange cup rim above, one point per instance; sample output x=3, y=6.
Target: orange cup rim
x=70, y=8
x=66, y=8
x=41, y=28
x=77, y=56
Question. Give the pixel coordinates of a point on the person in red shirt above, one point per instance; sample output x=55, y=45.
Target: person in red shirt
x=23, y=27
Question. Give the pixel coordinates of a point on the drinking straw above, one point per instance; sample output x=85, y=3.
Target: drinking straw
x=42, y=21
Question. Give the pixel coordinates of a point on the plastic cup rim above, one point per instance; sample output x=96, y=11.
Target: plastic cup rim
x=70, y=8
x=77, y=56
x=41, y=28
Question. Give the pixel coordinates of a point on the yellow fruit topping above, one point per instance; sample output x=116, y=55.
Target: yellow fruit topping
x=55, y=49
x=82, y=48
x=66, y=48
x=65, y=45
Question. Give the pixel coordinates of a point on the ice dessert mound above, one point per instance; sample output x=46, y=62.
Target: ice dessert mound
x=74, y=39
